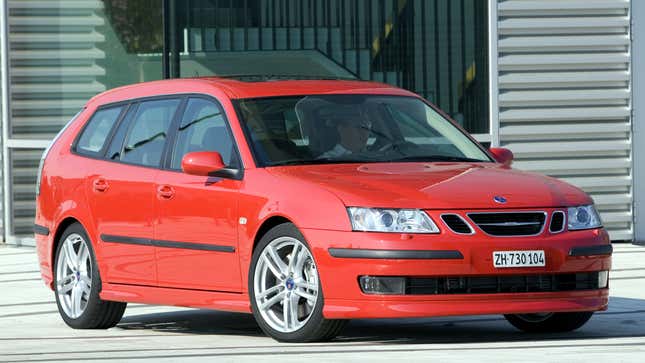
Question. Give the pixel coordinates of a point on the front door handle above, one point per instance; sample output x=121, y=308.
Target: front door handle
x=165, y=191
x=100, y=185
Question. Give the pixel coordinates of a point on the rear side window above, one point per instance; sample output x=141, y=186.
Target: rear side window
x=203, y=128
x=148, y=131
x=97, y=130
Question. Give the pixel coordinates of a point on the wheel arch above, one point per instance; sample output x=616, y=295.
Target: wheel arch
x=247, y=250
x=266, y=226
x=60, y=228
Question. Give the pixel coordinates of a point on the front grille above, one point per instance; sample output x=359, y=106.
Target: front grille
x=557, y=222
x=509, y=223
x=456, y=223
x=501, y=284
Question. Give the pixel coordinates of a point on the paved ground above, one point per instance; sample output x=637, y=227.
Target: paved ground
x=31, y=330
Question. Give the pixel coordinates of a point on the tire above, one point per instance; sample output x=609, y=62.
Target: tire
x=294, y=283
x=75, y=268
x=549, y=322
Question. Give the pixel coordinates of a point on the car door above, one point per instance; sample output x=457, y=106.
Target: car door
x=122, y=192
x=197, y=216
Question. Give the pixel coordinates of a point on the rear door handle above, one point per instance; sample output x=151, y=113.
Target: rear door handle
x=165, y=191
x=100, y=185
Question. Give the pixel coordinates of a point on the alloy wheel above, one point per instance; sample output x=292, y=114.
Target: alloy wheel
x=286, y=284
x=74, y=275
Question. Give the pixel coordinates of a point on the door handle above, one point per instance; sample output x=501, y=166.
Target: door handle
x=165, y=191
x=100, y=185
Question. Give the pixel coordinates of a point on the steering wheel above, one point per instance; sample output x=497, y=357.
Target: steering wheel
x=397, y=146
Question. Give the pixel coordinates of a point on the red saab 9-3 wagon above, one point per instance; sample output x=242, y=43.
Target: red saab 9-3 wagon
x=306, y=203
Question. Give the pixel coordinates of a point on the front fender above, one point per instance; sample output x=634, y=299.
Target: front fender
x=305, y=204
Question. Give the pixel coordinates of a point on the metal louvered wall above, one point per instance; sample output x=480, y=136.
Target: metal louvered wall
x=565, y=100
x=4, y=111
x=53, y=71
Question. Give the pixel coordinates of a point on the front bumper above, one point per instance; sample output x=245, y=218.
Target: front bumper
x=513, y=303
x=458, y=255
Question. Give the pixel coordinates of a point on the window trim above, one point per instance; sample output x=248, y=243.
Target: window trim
x=132, y=110
x=172, y=134
x=132, y=104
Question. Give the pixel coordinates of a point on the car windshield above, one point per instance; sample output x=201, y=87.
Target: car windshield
x=324, y=129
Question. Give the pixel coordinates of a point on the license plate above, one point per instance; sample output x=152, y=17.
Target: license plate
x=503, y=259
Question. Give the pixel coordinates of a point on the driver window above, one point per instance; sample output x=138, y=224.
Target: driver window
x=203, y=128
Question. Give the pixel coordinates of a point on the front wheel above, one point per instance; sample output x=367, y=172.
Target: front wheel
x=285, y=290
x=549, y=322
x=77, y=284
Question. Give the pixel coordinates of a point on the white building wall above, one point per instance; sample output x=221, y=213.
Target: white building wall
x=565, y=100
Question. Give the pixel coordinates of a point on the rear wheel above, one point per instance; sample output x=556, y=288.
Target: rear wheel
x=77, y=284
x=549, y=322
x=285, y=290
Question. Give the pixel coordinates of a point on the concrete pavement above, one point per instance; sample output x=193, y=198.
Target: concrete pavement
x=31, y=330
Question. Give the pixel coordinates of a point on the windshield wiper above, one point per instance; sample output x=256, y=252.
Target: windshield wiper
x=431, y=158
x=427, y=158
x=314, y=161
x=325, y=161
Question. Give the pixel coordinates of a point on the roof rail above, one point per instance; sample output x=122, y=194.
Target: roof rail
x=281, y=77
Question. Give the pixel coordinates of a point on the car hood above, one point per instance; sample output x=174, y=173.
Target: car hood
x=440, y=185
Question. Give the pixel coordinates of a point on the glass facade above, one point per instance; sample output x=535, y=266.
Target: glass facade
x=64, y=52
x=75, y=52
x=436, y=48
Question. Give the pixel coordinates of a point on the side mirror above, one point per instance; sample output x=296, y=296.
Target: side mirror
x=202, y=163
x=502, y=155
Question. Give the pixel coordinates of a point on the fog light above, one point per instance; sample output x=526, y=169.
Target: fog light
x=382, y=285
x=603, y=279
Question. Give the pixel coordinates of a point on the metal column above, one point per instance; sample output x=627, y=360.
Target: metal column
x=6, y=113
x=493, y=57
x=638, y=117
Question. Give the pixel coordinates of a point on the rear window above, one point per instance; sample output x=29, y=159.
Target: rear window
x=146, y=137
x=97, y=130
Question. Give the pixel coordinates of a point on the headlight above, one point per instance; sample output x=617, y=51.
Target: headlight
x=391, y=220
x=583, y=217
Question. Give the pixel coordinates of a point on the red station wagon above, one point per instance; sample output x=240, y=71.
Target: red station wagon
x=306, y=203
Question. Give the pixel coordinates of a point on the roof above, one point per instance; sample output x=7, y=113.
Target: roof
x=236, y=89
x=239, y=89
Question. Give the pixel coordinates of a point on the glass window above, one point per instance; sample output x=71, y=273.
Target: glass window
x=90, y=47
x=346, y=128
x=96, y=132
x=437, y=49
x=148, y=131
x=203, y=128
